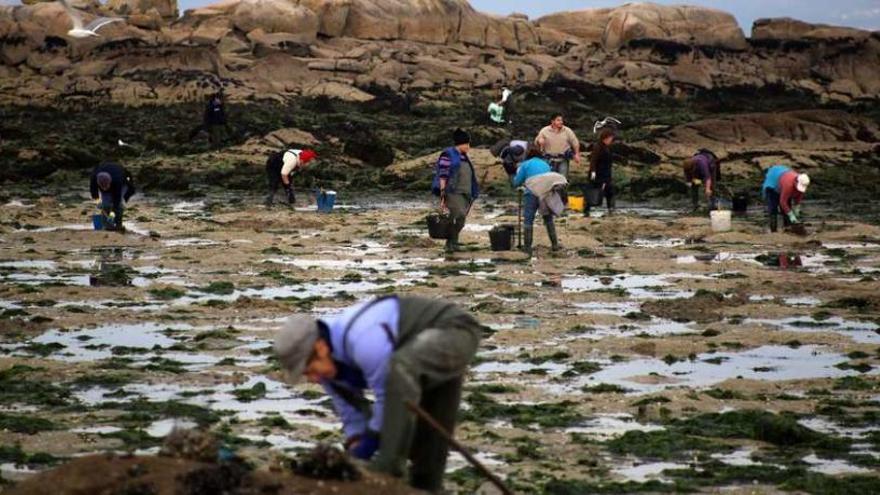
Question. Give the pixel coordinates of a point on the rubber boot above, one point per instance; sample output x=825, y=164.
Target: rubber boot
x=551, y=233
x=528, y=237
x=695, y=197
x=774, y=223
x=452, y=240
x=611, y=202
x=291, y=197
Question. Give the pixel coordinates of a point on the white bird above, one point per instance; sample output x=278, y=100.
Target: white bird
x=604, y=123
x=90, y=30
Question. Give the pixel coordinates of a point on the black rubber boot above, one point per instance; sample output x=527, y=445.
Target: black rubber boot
x=695, y=197
x=611, y=202
x=551, y=233
x=774, y=223
x=291, y=197
x=528, y=237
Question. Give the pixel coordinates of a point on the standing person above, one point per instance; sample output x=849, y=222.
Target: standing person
x=704, y=169
x=533, y=167
x=559, y=145
x=405, y=349
x=280, y=167
x=784, y=189
x=601, y=173
x=455, y=181
x=213, y=119
x=111, y=186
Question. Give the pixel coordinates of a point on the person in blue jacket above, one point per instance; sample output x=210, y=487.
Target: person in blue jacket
x=455, y=181
x=404, y=349
x=114, y=186
x=533, y=166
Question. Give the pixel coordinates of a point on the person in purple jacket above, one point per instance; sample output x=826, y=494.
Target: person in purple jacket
x=403, y=349
x=704, y=169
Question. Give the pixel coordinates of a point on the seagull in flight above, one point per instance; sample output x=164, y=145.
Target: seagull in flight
x=91, y=29
x=604, y=123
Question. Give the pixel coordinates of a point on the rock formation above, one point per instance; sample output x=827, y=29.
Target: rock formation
x=343, y=48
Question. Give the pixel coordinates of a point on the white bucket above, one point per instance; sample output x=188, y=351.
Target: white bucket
x=720, y=220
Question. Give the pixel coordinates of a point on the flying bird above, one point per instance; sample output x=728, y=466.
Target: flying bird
x=91, y=29
x=605, y=123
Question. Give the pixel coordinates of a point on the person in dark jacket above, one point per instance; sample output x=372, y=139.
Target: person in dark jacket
x=111, y=186
x=704, y=169
x=213, y=120
x=601, y=162
x=404, y=349
x=456, y=184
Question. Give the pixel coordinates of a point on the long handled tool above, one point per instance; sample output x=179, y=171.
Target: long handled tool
x=427, y=418
x=519, y=218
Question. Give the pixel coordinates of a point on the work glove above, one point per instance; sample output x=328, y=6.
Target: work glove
x=797, y=211
x=592, y=175
x=366, y=446
x=792, y=217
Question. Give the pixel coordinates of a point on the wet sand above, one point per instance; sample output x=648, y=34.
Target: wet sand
x=647, y=303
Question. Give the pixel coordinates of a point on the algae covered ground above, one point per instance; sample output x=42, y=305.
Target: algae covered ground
x=650, y=355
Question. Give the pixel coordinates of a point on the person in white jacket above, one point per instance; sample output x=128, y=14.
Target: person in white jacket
x=280, y=168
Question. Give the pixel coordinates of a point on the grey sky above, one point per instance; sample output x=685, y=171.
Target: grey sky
x=864, y=14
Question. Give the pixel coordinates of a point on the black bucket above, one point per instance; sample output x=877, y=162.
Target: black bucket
x=740, y=203
x=501, y=237
x=439, y=226
x=592, y=195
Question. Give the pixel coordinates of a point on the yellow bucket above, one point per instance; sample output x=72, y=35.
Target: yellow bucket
x=576, y=203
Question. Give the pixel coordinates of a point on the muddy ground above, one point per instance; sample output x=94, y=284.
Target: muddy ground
x=650, y=355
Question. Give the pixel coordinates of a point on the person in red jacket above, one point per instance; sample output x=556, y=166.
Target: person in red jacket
x=784, y=190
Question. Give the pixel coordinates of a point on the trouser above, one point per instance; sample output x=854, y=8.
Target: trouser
x=274, y=178
x=107, y=206
x=560, y=166
x=428, y=370
x=216, y=132
x=773, y=209
x=459, y=205
x=695, y=198
x=608, y=193
x=530, y=212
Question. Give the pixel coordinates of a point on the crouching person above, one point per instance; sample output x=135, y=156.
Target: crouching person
x=403, y=349
x=111, y=186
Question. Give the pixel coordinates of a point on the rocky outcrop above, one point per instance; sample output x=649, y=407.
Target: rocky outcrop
x=809, y=139
x=165, y=8
x=347, y=48
x=684, y=24
x=793, y=30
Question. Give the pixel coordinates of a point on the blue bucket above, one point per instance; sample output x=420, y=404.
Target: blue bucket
x=326, y=200
x=98, y=221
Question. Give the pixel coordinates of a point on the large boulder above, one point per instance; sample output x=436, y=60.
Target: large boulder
x=166, y=8
x=785, y=28
x=683, y=24
x=785, y=132
x=275, y=16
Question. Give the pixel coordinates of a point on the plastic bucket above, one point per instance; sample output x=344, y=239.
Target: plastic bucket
x=721, y=220
x=501, y=237
x=741, y=203
x=439, y=226
x=576, y=203
x=326, y=200
x=98, y=221
x=593, y=195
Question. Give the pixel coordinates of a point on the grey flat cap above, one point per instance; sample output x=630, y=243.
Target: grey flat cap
x=294, y=345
